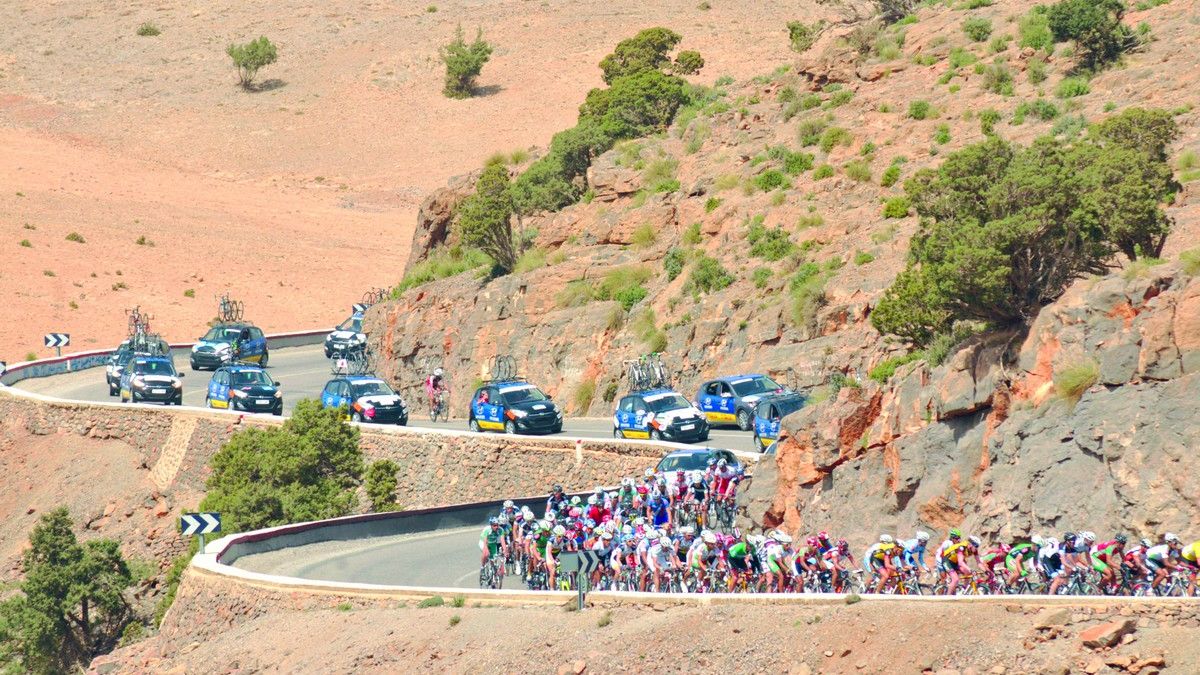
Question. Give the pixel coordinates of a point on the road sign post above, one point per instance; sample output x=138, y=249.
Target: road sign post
x=57, y=340
x=200, y=524
x=580, y=565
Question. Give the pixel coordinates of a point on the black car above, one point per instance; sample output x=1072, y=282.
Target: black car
x=365, y=399
x=346, y=338
x=694, y=459
x=514, y=407
x=151, y=378
x=151, y=346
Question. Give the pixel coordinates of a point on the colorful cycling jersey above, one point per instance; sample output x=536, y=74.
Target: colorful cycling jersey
x=1191, y=551
x=1160, y=553
x=1105, y=551
x=657, y=509
x=540, y=540
x=740, y=550
x=957, y=552
x=880, y=552
x=992, y=557
x=1024, y=549
x=699, y=490
x=914, y=552
x=491, y=538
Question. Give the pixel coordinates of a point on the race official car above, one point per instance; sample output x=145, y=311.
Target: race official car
x=514, y=407
x=347, y=337
x=365, y=399
x=659, y=415
x=768, y=416
x=151, y=378
x=731, y=400
x=244, y=387
x=227, y=343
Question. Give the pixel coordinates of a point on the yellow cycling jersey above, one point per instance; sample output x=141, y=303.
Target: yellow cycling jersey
x=1191, y=551
x=884, y=551
x=955, y=550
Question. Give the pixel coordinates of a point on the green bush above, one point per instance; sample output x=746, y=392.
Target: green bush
x=858, y=170
x=381, y=485
x=987, y=121
x=304, y=470
x=807, y=291
x=585, y=391
x=801, y=36
x=862, y=258
x=485, y=218
x=1065, y=209
x=793, y=163
x=649, y=50
x=1034, y=31
x=148, y=29
x=643, y=236
x=1036, y=71
x=76, y=237
x=433, y=601
x=960, y=57
x=883, y=372
x=251, y=57
x=673, y=262
x=835, y=136
x=840, y=98
x=770, y=244
x=998, y=79
x=1095, y=27
x=623, y=284
x=896, y=207
x=1072, y=380
x=920, y=110
x=977, y=28
x=810, y=130
x=628, y=297
x=762, y=275
x=1189, y=261
x=942, y=135
x=711, y=204
x=439, y=264
x=822, y=172
x=770, y=180
x=1040, y=108
x=890, y=176
x=1070, y=87
x=708, y=276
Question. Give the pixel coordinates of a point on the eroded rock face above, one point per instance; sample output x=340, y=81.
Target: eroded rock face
x=437, y=213
x=992, y=449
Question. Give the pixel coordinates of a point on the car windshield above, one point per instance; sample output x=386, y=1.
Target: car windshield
x=153, y=368
x=692, y=461
x=789, y=406
x=667, y=403
x=754, y=385
x=522, y=395
x=251, y=378
x=371, y=388
x=353, y=324
x=219, y=334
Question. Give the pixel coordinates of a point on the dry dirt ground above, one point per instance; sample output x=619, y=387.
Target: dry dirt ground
x=295, y=198
x=863, y=638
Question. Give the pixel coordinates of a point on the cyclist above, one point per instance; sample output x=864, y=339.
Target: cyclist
x=1164, y=558
x=1074, y=555
x=435, y=389
x=1190, y=556
x=880, y=560
x=776, y=559
x=660, y=557
x=1106, y=558
x=491, y=541
x=658, y=511
x=702, y=554
x=956, y=557
x=1135, y=559
x=1050, y=562
x=914, y=552
x=557, y=545
x=625, y=496
x=952, y=538
x=557, y=500
x=741, y=556
x=993, y=558
x=1018, y=556
x=537, y=544
x=833, y=561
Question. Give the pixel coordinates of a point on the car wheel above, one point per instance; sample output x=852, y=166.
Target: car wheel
x=704, y=437
x=655, y=435
x=510, y=427
x=193, y=365
x=113, y=391
x=402, y=422
x=262, y=363
x=758, y=444
x=743, y=419
x=474, y=425
x=207, y=402
x=278, y=411
x=355, y=417
x=557, y=429
x=179, y=400
x=328, y=354
x=617, y=433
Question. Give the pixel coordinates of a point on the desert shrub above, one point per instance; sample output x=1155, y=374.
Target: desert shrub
x=884, y=370
x=485, y=218
x=960, y=57
x=1069, y=126
x=770, y=180
x=1072, y=380
x=76, y=237
x=896, y=207
x=822, y=172
x=801, y=36
x=768, y=243
x=1040, y=108
x=1035, y=70
x=585, y=391
x=994, y=210
x=890, y=176
x=251, y=57
x=761, y=276
x=441, y=263
x=531, y=259
x=1094, y=26
x=919, y=110
x=862, y=258
x=858, y=170
x=1034, y=31
x=998, y=79
x=708, y=275
x=942, y=135
x=1070, y=87
x=840, y=98
x=433, y=601
x=835, y=136
x=977, y=28
x=892, y=11
x=1189, y=261
x=809, y=131
x=807, y=293
x=987, y=121
x=148, y=29
x=381, y=485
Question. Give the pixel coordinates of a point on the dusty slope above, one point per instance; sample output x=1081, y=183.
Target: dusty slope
x=298, y=197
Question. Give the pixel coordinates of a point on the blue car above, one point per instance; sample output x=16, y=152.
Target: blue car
x=514, y=407
x=244, y=387
x=769, y=414
x=151, y=378
x=366, y=399
x=347, y=337
x=227, y=343
x=731, y=400
x=659, y=415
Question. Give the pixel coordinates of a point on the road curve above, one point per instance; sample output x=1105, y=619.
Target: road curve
x=303, y=372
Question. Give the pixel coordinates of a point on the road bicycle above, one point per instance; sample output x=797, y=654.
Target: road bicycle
x=502, y=367
x=374, y=296
x=491, y=575
x=229, y=310
x=439, y=409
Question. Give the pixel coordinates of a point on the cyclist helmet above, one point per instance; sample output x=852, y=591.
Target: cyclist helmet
x=508, y=503
x=843, y=546
x=502, y=519
x=589, y=524
x=712, y=462
x=1170, y=538
x=722, y=463
x=885, y=539
x=922, y=536
x=493, y=522
x=606, y=535
x=1037, y=540
x=551, y=516
x=1146, y=543
x=783, y=537
x=1089, y=537
x=649, y=473
x=437, y=372
x=709, y=537
x=1068, y=536
x=823, y=535
x=576, y=501
x=560, y=530
x=687, y=530
x=519, y=516
x=975, y=541
x=574, y=512
x=1121, y=539
x=812, y=542
x=679, y=472
x=592, y=501
x=955, y=534
x=557, y=489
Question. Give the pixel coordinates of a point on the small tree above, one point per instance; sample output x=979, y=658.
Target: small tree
x=381, y=485
x=464, y=62
x=648, y=50
x=801, y=35
x=892, y=11
x=485, y=218
x=687, y=63
x=1095, y=26
x=250, y=57
x=72, y=605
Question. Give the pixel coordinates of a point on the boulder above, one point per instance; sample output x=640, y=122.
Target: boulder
x=1106, y=634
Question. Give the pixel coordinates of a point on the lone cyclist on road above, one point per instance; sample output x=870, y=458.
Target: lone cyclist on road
x=435, y=386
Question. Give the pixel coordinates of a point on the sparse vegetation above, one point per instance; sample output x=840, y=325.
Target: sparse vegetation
x=768, y=243
x=381, y=485
x=585, y=391
x=442, y=263
x=920, y=110
x=644, y=236
x=858, y=170
x=863, y=258
x=1070, y=87
x=251, y=57
x=708, y=275
x=464, y=62
x=148, y=29
x=998, y=79
x=896, y=207
x=801, y=36
x=770, y=180
x=432, y=601
x=25, y=243
x=761, y=276
x=1073, y=379
x=977, y=28
x=189, y=293
x=835, y=136
x=890, y=176
x=822, y=172
x=76, y=237
x=1189, y=261
x=1034, y=31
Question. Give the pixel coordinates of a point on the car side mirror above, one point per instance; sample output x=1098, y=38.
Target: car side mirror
x=180, y=374
x=278, y=383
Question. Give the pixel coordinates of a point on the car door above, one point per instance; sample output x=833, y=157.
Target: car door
x=329, y=394
x=624, y=414
x=762, y=420
x=707, y=398
x=258, y=342
x=212, y=393
x=640, y=415
x=726, y=403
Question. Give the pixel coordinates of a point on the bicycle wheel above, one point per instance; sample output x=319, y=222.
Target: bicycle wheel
x=485, y=580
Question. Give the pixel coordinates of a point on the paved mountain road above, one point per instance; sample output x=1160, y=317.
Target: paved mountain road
x=303, y=372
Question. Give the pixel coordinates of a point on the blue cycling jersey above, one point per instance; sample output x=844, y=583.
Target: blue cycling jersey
x=914, y=553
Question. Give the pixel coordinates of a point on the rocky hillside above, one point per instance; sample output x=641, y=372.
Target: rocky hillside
x=758, y=233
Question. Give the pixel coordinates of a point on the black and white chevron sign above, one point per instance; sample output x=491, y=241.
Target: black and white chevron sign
x=589, y=561
x=200, y=523
x=359, y=307
x=57, y=339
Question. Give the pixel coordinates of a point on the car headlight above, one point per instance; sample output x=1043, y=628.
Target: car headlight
x=195, y=348
x=237, y=393
x=559, y=413
x=138, y=382
x=519, y=413
x=177, y=384
x=278, y=394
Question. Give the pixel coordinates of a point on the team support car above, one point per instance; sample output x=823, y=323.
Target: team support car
x=514, y=407
x=366, y=399
x=151, y=378
x=227, y=343
x=768, y=416
x=731, y=400
x=347, y=337
x=244, y=387
x=121, y=356
x=694, y=459
x=660, y=415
